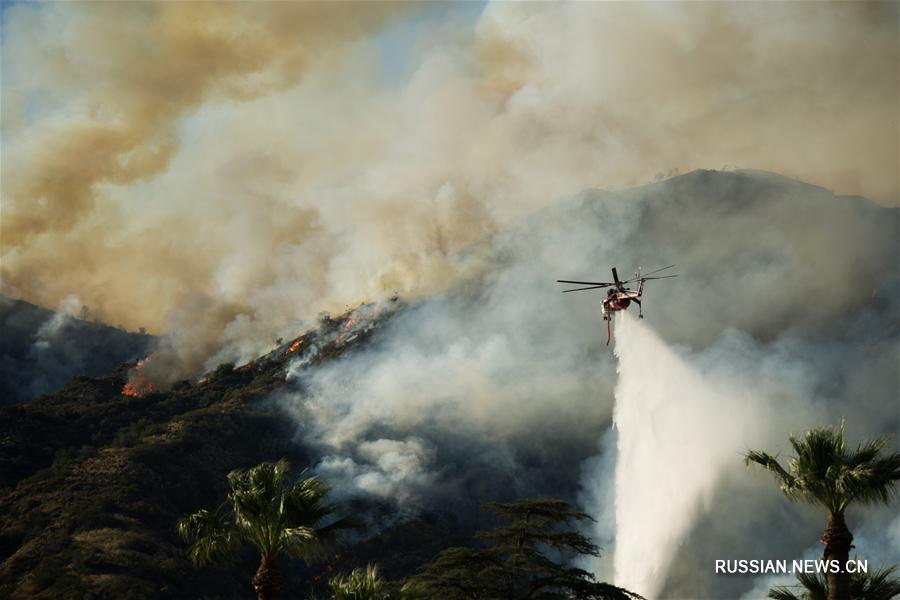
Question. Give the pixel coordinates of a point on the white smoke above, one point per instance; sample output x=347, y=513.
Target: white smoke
x=42, y=351
x=455, y=377
x=65, y=312
x=386, y=469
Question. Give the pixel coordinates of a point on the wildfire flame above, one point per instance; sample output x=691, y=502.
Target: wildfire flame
x=138, y=384
x=350, y=323
x=294, y=346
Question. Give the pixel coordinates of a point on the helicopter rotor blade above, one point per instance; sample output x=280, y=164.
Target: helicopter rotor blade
x=658, y=270
x=593, y=287
x=644, y=275
x=599, y=283
x=662, y=277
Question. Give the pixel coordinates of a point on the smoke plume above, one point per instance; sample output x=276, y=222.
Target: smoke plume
x=276, y=161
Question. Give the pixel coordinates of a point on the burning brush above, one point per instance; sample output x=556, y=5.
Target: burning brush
x=294, y=346
x=138, y=383
x=348, y=326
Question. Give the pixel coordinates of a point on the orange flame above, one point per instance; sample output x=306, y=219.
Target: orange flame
x=138, y=384
x=350, y=323
x=294, y=346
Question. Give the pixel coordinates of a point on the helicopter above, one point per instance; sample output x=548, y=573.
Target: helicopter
x=619, y=297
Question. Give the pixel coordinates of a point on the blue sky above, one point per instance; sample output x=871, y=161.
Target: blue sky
x=397, y=43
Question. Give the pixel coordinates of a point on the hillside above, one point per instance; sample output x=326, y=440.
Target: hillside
x=500, y=388
x=92, y=481
x=41, y=349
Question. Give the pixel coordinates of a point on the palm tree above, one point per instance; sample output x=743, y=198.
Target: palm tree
x=268, y=512
x=828, y=473
x=880, y=585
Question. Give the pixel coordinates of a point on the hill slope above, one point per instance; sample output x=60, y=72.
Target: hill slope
x=92, y=481
x=499, y=388
x=40, y=349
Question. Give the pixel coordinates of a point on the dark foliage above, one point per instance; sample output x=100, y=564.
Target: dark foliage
x=40, y=350
x=91, y=481
x=525, y=557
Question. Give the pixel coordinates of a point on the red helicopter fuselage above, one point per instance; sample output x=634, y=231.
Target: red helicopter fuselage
x=620, y=299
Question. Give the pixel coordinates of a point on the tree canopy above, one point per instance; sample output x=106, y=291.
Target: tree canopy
x=527, y=557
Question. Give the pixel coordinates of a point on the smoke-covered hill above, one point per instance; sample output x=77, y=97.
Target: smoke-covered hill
x=41, y=349
x=504, y=386
x=500, y=387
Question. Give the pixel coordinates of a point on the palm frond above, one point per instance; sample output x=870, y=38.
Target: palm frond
x=878, y=585
x=809, y=586
x=823, y=470
x=871, y=482
x=816, y=585
x=256, y=497
x=787, y=482
x=298, y=541
x=210, y=536
x=304, y=502
x=269, y=513
x=867, y=451
x=784, y=592
x=816, y=451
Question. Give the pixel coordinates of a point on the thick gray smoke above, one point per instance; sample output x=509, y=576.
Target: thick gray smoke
x=504, y=387
x=271, y=162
